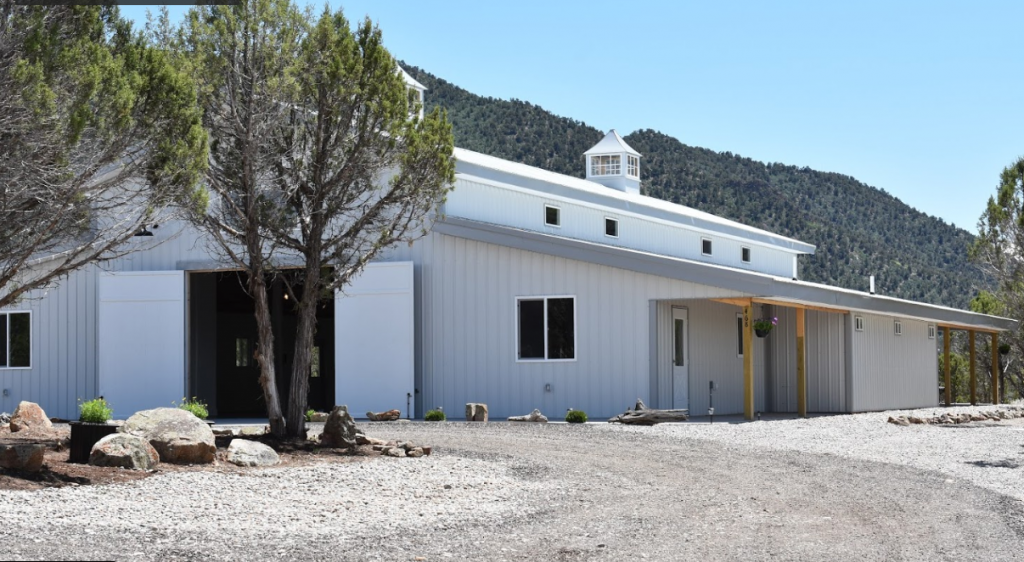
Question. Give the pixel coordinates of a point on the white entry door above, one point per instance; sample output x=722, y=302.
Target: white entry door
x=680, y=359
x=141, y=340
x=374, y=333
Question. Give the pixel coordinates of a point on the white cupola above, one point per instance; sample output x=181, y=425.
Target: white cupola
x=415, y=91
x=614, y=163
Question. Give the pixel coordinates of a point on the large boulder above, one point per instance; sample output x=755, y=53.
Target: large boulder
x=339, y=429
x=29, y=415
x=243, y=452
x=22, y=456
x=125, y=451
x=177, y=435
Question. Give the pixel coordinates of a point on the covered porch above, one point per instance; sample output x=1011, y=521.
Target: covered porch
x=710, y=356
x=707, y=357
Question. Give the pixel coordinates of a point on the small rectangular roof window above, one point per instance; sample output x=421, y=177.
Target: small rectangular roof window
x=611, y=227
x=552, y=216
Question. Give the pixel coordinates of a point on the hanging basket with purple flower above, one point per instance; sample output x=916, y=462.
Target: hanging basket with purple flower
x=763, y=326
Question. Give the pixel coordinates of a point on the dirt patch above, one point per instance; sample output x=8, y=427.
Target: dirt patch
x=58, y=472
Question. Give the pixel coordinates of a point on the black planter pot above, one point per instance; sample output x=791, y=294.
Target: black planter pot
x=84, y=436
x=762, y=333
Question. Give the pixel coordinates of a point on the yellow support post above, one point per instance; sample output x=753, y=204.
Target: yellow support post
x=995, y=368
x=748, y=362
x=945, y=362
x=974, y=377
x=801, y=364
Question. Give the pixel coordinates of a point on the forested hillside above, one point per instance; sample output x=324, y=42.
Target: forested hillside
x=859, y=230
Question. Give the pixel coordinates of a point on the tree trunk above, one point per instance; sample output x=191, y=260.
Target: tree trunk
x=298, y=397
x=265, y=353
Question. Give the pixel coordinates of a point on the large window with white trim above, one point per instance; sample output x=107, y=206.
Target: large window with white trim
x=546, y=329
x=15, y=340
x=606, y=165
x=633, y=166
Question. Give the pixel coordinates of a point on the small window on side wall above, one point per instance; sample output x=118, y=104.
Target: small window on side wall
x=552, y=216
x=931, y=332
x=705, y=246
x=739, y=335
x=898, y=328
x=611, y=228
x=745, y=255
x=858, y=323
x=16, y=340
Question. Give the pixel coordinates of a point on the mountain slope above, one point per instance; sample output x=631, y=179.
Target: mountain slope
x=858, y=230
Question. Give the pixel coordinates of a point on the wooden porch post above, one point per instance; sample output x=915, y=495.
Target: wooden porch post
x=801, y=364
x=748, y=361
x=995, y=368
x=974, y=377
x=945, y=362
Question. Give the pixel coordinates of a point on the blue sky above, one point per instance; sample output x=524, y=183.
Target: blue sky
x=922, y=99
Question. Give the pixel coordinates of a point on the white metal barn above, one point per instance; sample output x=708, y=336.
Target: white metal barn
x=536, y=290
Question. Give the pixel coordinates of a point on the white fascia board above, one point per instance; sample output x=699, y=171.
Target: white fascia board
x=619, y=211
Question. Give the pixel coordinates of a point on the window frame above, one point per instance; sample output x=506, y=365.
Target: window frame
x=858, y=323
x=897, y=326
x=633, y=166
x=614, y=220
x=6, y=314
x=608, y=168
x=745, y=251
x=711, y=247
x=739, y=334
x=575, y=331
x=932, y=331
x=558, y=210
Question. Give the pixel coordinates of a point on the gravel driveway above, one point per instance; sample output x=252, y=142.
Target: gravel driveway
x=556, y=492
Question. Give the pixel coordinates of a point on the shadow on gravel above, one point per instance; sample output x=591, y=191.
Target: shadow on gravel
x=1005, y=463
x=45, y=476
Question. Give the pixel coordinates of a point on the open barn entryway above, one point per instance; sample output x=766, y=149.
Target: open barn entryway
x=223, y=370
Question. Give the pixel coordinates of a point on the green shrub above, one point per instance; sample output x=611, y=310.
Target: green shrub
x=435, y=415
x=194, y=406
x=309, y=415
x=95, y=411
x=576, y=416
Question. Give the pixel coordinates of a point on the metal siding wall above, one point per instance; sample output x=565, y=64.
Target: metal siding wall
x=826, y=362
x=782, y=376
x=496, y=205
x=468, y=317
x=890, y=371
x=713, y=347
x=64, y=323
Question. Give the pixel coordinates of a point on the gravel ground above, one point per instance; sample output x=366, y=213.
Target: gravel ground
x=988, y=454
x=557, y=492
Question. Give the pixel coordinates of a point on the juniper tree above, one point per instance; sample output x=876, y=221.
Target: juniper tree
x=999, y=249
x=99, y=135
x=320, y=160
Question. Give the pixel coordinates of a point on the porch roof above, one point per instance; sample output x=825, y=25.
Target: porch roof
x=778, y=290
